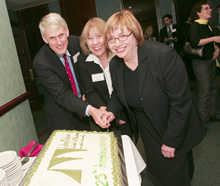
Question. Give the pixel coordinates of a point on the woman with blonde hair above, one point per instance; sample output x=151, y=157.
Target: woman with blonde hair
x=149, y=79
x=95, y=76
x=148, y=33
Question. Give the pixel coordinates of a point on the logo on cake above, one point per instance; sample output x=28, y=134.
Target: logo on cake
x=60, y=162
x=70, y=158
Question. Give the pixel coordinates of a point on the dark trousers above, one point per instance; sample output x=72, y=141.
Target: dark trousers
x=205, y=72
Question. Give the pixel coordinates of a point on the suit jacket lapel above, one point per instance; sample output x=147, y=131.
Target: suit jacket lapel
x=142, y=67
x=58, y=65
x=120, y=78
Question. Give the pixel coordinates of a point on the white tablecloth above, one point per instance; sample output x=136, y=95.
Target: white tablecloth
x=133, y=161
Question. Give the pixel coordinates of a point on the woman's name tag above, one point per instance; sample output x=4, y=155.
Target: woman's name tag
x=98, y=77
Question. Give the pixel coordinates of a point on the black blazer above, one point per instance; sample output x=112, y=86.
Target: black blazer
x=180, y=38
x=96, y=92
x=165, y=96
x=60, y=102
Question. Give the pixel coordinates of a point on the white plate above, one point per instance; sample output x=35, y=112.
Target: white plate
x=7, y=157
x=13, y=169
x=16, y=181
x=13, y=166
x=2, y=175
x=15, y=175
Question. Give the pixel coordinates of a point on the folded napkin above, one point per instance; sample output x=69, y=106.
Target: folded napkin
x=25, y=150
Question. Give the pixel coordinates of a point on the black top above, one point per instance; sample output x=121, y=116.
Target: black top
x=131, y=87
x=198, y=32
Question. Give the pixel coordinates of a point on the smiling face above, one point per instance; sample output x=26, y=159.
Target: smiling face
x=96, y=42
x=126, y=49
x=206, y=12
x=57, y=39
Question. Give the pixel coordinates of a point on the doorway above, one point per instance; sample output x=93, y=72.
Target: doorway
x=145, y=12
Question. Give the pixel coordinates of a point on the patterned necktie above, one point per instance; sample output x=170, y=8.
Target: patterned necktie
x=70, y=75
x=170, y=34
x=71, y=78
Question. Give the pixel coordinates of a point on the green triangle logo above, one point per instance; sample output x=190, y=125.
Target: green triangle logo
x=74, y=174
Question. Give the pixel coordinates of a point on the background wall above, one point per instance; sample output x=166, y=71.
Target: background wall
x=16, y=126
x=54, y=6
x=214, y=4
x=106, y=8
x=165, y=7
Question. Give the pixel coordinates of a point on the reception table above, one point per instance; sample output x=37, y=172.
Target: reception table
x=132, y=164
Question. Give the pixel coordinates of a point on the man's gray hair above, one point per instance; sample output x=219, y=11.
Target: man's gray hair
x=51, y=20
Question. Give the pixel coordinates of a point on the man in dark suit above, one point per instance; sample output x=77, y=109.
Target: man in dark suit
x=171, y=34
x=63, y=104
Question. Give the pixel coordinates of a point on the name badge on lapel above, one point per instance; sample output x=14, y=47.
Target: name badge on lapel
x=98, y=77
x=75, y=57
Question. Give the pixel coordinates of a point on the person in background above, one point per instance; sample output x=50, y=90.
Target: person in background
x=148, y=33
x=171, y=34
x=188, y=60
x=218, y=12
x=186, y=26
x=56, y=69
x=94, y=72
x=149, y=79
x=205, y=68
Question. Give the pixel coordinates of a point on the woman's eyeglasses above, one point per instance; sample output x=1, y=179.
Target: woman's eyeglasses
x=120, y=38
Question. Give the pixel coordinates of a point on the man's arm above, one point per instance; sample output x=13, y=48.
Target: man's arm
x=54, y=82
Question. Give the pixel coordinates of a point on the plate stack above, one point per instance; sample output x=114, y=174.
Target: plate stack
x=10, y=163
x=3, y=180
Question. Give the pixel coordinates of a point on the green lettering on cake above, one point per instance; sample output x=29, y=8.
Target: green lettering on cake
x=102, y=151
x=74, y=174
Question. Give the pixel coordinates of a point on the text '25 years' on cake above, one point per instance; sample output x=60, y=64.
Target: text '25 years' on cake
x=77, y=158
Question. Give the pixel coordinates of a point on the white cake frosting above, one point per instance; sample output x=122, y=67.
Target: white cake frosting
x=77, y=158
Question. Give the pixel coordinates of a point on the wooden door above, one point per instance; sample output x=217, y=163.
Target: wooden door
x=77, y=13
x=29, y=19
x=27, y=70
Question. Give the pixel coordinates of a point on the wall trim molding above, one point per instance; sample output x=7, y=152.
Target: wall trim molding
x=13, y=103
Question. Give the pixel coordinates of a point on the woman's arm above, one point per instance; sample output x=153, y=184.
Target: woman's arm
x=216, y=53
x=209, y=40
x=195, y=37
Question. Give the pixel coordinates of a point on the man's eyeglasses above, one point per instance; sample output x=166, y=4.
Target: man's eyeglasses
x=120, y=38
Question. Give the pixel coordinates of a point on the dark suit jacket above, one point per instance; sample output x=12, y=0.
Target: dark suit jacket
x=180, y=38
x=165, y=96
x=60, y=102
